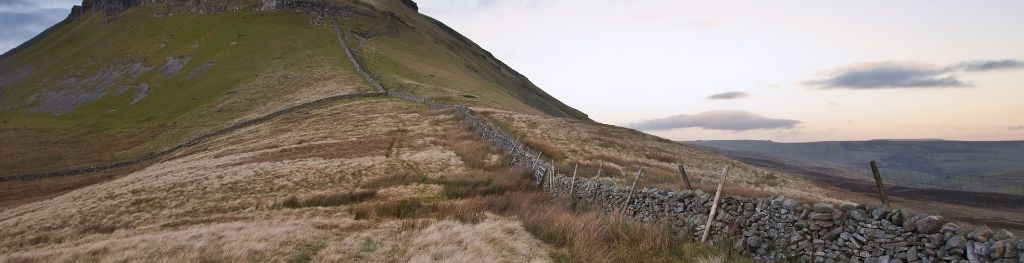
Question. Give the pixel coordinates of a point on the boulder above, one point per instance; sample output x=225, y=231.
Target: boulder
x=859, y=215
x=1011, y=251
x=980, y=234
x=911, y=223
x=821, y=216
x=791, y=204
x=1003, y=235
x=930, y=224
x=754, y=241
x=896, y=217
x=956, y=241
x=879, y=212
x=950, y=228
x=823, y=208
x=997, y=249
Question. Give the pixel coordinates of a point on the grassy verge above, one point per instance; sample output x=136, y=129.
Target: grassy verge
x=578, y=233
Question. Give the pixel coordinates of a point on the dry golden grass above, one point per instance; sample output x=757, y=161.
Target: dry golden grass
x=372, y=180
x=577, y=233
x=474, y=152
x=222, y=184
x=494, y=239
x=545, y=147
x=329, y=199
x=621, y=152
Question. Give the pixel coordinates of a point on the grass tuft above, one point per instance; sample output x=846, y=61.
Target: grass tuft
x=329, y=199
x=547, y=148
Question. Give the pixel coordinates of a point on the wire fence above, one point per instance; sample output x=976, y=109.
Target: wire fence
x=1004, y=184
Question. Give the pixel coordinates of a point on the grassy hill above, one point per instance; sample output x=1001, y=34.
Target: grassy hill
x=369, y=178
x=115, y=82
x=104, y=87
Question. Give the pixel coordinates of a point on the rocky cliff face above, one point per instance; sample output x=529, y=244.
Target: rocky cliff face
x=117, y=6
x=204, y=6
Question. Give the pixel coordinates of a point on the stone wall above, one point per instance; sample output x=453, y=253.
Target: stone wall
x=765, y=229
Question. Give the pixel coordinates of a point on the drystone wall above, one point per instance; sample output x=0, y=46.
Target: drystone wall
x=766, y=229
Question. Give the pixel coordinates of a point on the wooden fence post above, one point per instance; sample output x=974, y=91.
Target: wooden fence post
x=572, y=185
x=878, y=183
x=686, y=179
x=632, y=188
x=551, y=177
x=714, y=206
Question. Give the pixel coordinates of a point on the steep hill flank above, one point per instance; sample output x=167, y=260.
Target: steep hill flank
x=119, y=79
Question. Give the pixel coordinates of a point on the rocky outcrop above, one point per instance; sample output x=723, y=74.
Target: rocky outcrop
x=196, y=6
x=209, y=6
x=412, y=5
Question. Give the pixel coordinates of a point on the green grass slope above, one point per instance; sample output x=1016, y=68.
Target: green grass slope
x=126, y=78
x=415, y=53
x=149, y=81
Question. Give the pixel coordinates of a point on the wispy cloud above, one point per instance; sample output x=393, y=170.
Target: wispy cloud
x=1017, y=128
x=988, y=65
x=886, y=75
x=729, y=120
x=729, y=95
x=901, y=75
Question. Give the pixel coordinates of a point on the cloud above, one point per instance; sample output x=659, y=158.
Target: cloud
x=1017, y=128
x=729, y=120
x=887, y=75
x=900, y=75
x=988, y=65
x=729, y=95
x=22, y=6
x=23, y=19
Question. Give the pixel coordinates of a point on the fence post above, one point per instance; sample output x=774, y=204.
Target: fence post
x=632, y=188
x=551, y=176
x=686, y=179
x=878, y=183
x=572, y=185
x=714, y=206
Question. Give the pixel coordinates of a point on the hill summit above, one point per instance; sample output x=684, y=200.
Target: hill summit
x=147, y=74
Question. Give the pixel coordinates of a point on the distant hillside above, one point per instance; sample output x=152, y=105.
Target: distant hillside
x=926, y=156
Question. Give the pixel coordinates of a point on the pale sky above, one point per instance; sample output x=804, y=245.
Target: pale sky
x=781, y=70
x=775, y=70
